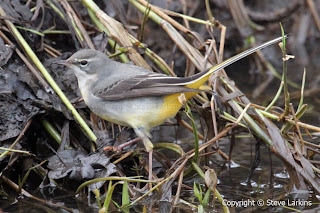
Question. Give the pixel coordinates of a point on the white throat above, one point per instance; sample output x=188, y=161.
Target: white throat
x=85, y=80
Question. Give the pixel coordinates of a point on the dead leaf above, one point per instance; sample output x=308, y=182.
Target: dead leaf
x=182, y=98
x=79, y=166
x=211, y=179
x=288, y=57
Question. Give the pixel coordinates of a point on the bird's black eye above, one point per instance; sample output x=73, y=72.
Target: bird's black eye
x=84, y=63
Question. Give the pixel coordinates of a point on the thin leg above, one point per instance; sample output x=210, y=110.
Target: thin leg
x=150, y=168
x=144, y=134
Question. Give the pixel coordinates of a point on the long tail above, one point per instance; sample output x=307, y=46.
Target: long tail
x=199, y=79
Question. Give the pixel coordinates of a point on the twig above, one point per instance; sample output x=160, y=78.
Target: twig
x=17, y=139
x=314, y=13
x=284, y=74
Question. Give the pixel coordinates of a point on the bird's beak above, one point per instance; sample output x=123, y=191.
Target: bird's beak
x=61, y=62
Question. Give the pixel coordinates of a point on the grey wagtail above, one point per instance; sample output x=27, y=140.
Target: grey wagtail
x=134, y=96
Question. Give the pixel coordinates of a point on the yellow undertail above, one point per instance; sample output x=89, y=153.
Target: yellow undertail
x=171, y=104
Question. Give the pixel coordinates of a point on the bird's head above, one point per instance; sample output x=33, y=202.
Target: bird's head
x=86, y=62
